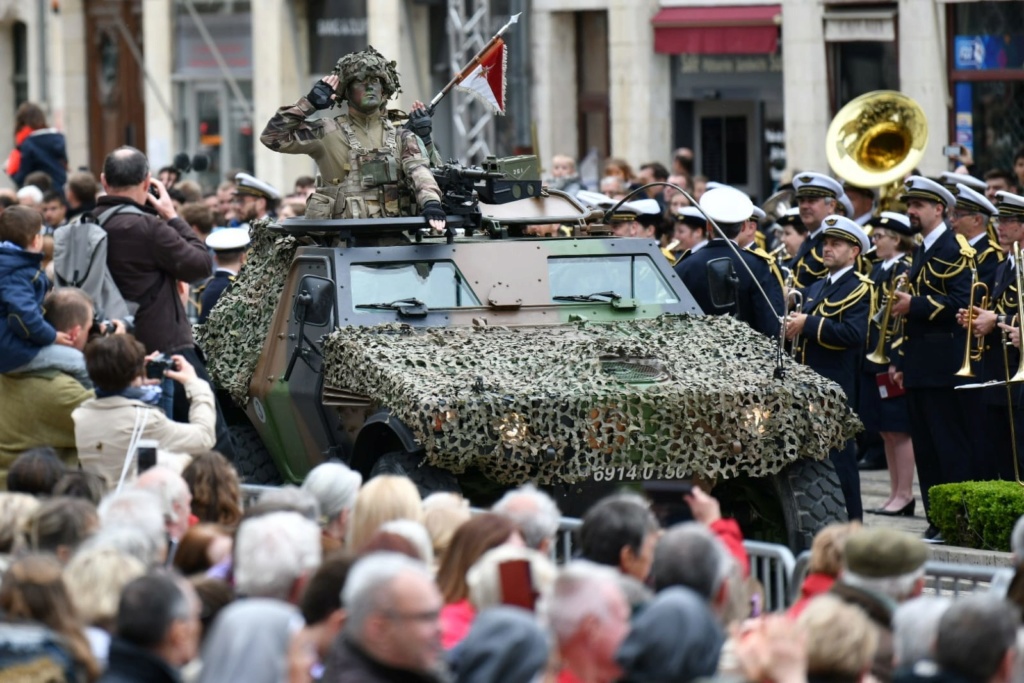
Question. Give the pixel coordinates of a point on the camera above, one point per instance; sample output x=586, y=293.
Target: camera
x=154, y=190
x=156, y=367
x=146, y=454
x=102, y=328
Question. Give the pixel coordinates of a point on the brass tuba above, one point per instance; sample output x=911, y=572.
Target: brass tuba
x=876, y=140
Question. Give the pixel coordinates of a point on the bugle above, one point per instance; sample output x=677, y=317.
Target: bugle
x=973, y=349
x=879, y=356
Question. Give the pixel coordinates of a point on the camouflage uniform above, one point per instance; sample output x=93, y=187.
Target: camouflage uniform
x=369, y=167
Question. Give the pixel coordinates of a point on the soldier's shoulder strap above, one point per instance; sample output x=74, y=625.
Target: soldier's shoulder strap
x=965, y=247
x=863, y=278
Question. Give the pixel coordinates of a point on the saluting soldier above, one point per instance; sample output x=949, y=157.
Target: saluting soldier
x=817, y=196
x=229, y=250
x=730, y=208
x=881, y=409
x=998, y=451
x=369, y=167
x=932, y=348
x=970, y=218
x=832, y=326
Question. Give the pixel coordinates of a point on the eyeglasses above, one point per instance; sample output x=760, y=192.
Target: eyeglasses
x=428, y=616
x=1005, y=220
x=957, y=215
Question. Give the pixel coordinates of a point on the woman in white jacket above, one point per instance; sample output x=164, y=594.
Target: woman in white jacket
x=127, y=409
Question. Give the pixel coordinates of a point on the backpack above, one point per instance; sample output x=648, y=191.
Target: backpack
x=80, y=260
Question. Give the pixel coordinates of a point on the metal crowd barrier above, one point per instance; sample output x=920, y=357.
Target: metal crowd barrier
x=773, y=566
x=954, y=580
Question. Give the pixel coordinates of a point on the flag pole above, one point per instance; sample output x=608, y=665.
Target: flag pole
x=472, y=64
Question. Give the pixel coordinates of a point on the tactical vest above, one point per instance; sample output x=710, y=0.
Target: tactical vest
x=375, y=186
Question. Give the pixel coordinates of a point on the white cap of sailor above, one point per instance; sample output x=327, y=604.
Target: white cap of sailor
x=253, y=186
x=758, y=214
x=591, y=198
x=228, y=239
x=811, y=184
x=844, y=228
x=950, y=180
x=727, y=205
x=691, y=215
x=972, y=201
x=890, y=220
x=1010, y=204
x=919, y=187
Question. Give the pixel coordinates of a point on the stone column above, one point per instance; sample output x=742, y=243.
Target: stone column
x=554, y=87
x=805, y=85
x=922, y=36
x=158, y=55
x=276, y=80
x=639, y=85
x=72, y=114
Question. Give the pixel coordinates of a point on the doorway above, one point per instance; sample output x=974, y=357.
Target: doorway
x=214, y=123
x=726, y=144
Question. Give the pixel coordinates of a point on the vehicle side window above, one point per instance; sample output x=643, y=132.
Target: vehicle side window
x=632, y=276
x=438, y=284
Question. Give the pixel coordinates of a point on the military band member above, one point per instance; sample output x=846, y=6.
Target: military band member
x=730, y=208
x=229, y=249
x=691, y=230
x=864, y=201
x=254, y=199
x=970, y=218
x=932, y=348
x=366, y=163
x=794, y=234
x=831, y=328
x=997, y=446
x=748, y=239
x=886, y=414
x=817, y=196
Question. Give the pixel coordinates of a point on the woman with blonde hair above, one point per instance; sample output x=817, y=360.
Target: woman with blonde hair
x=33, y=589
x=443, y=514
x=825, y=564
x=841, y=641
x=382, y=499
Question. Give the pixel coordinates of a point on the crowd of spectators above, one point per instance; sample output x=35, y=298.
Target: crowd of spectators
x=171, y=579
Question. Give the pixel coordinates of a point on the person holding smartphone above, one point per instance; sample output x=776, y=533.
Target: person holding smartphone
x=127, y=410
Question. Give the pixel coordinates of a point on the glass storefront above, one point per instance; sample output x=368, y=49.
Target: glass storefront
x=988, y=80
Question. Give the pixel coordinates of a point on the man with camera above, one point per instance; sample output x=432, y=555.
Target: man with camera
x=150, y=249
x=35, y=407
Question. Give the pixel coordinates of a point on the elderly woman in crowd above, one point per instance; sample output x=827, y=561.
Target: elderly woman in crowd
x=841, y=641
x=334, y=486
x=126, y=410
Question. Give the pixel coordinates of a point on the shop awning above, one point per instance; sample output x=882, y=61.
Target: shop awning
x=732, y=30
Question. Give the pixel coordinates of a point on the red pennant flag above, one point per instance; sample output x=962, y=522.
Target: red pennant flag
x=487, y=80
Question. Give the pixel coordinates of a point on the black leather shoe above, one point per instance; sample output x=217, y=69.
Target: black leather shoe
x=933, y=535
x=871, y=462
x=905, y=511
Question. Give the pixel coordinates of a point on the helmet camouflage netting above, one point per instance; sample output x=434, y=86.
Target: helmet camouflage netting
x=365, y=65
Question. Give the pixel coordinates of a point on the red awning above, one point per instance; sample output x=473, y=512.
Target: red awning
x=730, y=30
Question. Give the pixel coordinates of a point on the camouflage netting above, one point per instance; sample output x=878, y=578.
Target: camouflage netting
x=232, y=337
x=541, y=404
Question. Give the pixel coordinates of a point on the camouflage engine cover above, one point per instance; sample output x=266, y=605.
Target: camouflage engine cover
x=668, y=397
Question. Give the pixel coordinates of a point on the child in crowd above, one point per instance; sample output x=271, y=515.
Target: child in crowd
x=27, y=341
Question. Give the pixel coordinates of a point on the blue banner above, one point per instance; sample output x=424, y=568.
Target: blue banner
x=965, y=116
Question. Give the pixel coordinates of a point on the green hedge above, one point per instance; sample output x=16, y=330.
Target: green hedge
x=977, y=514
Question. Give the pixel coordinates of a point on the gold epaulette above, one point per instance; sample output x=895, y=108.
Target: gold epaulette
x=761, y=252
x=864, y=278
x=965, y=247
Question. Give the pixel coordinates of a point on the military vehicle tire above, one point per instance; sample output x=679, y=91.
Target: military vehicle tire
x=252, y=459
x=811, y=498
x=428, y=479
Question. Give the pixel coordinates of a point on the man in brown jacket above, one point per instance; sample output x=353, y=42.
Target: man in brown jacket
x=149, y=250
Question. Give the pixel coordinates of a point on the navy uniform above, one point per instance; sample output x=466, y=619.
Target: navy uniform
x=791, y=217
x=729, y=208
x=808, y=266
x=997, y=447
x=878, y=413
x=251, y=186
x=832, y=342
x=989, y=253
x=931, y=351
x=228, y=246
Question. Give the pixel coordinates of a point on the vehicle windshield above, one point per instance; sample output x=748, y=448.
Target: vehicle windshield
x=631, y=277
x=438, y=284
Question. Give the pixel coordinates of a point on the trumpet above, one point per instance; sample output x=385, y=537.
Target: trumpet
x=794, y=301
x=882, y=318
x=973, y=350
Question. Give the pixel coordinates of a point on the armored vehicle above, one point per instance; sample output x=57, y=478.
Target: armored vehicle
x=487, y=357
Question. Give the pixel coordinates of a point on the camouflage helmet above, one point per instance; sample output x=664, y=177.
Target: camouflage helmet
x=365, y=65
